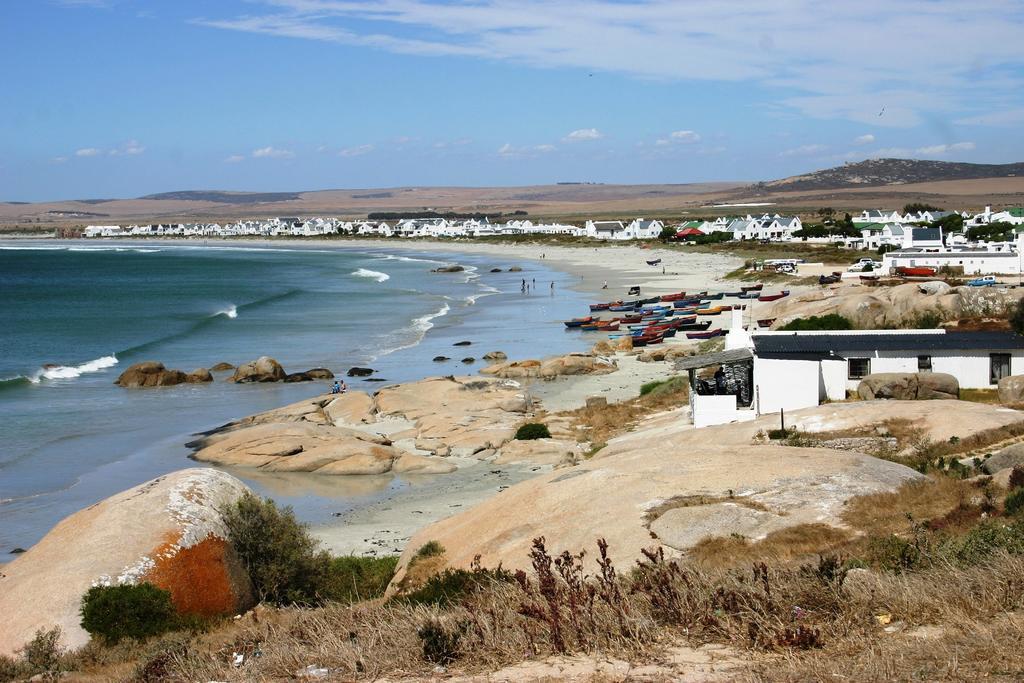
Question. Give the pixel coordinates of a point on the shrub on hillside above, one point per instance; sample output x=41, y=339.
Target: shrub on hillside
x=832, y=321
x=113, y=613
x=533, y=430
x=352, y=579
x=281, y=557
x=1014, y=502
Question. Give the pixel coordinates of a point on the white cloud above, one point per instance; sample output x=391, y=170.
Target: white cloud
x=804, y=151
x=356, y=151
x=685, y=136
x=130, y=148
x=939, y=150
x=865, y=139
x=59, y=160
x=509, y=151
x=270, y=152
x=234, y=159
x=893, y=70
x=88, y=152
x=583, y=134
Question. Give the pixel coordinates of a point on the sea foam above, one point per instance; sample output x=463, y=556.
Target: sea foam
x=372, y=274
x=73, y=371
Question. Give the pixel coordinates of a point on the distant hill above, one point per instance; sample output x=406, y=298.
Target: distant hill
x=880, y=172
x=226, y=197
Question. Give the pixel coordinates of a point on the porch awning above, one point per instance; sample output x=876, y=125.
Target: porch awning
x=707, y=360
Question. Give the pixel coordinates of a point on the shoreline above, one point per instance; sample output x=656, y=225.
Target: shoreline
x=404, y=504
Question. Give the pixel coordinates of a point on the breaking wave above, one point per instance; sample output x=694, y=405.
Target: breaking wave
x=372, y=274
x=51, y=372
x=229, y=312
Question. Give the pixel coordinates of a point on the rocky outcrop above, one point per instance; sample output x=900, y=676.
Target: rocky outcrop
x=222, y=367
x=571, y=364
x=199, y=376
x=664, y=353
x=539, y=452
x=341, y=434
x=320, y=373
x=263, y=369
x=899, y=306
x=909, y=386
x=150, y=374
x=300, y=447
x=1011, y=389
x=448, y=269
x=1008, y=458
x=167, y=531
x=360, y=372
x=495, y=356
x=670, y=485
x=309, y=375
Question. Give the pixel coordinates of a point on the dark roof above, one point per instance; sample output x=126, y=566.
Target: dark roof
x=791, y=344
x=707, y=360
x=930, y=234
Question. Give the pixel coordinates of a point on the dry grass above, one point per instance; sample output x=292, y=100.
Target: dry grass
x=795, y=543
x=599, y=424
x=888, y=513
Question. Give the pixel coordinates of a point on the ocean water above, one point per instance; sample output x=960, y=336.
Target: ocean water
x=75, y=315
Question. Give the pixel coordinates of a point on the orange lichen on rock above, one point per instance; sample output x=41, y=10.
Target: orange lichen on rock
x=205, y=579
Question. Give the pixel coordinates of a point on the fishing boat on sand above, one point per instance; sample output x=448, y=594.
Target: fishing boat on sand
x=774, y=297
x=753, y=288
x=710, y=334
x=654, y=262
x=579, y=322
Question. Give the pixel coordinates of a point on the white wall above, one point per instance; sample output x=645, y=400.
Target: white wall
x=833, y=376
x=786, y=384
x=715, y=410
x=971, y=368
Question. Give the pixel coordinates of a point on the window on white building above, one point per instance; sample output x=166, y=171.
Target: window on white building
x=924, y=363
x=858, y=368
x=999, y=367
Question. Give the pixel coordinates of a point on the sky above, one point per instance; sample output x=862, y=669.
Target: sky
x=123, y=98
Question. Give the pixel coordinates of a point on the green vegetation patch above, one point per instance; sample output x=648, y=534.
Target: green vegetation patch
x=114, y=613
x=533, y=430
x=832, y=321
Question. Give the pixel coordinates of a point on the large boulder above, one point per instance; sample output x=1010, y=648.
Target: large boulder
x=571, y=364
x=1007, y=458
x=263, y=369
x=168, y=532
x=1011, y=389
x=222, y=367
x=199, y=376
x=410, y=463
x=150, y=373
x=935, y=287
x=909, y=386
x=300, y=447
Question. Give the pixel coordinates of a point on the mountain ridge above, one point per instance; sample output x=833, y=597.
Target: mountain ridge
x=889, y=171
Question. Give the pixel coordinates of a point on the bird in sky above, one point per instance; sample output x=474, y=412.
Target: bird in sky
x=882, y=112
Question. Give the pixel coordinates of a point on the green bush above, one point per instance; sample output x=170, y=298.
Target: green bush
x=832, y=321
x=893, y=553
x=981, y=542
x=1014, y=502
x=648, y=387
x=533, y=430
x=281, y=557
x=453, y=585
x=138, y=612
x=351, y=579
x=440, y=643
x=428, y=549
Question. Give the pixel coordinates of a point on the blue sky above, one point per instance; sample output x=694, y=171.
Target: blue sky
x=120, y=98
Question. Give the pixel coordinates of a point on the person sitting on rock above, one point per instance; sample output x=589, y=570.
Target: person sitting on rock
x=336, y=389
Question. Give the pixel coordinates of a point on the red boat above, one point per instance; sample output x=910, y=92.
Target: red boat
x=608, y=326
x=678, y=296
x=599, y=307
x=773, y=297
x=710, y=334
x=916, y=271
x=753, y=288
x=580, y=322
x=630, y=319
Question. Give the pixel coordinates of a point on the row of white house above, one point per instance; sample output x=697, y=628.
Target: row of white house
x=638, y=228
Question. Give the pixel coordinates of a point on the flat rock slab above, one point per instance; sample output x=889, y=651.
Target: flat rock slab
x=684, y=527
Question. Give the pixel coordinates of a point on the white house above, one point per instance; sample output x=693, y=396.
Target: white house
x=880, y=216
x=971, y=261
x=778, y=371
x=638, y=229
